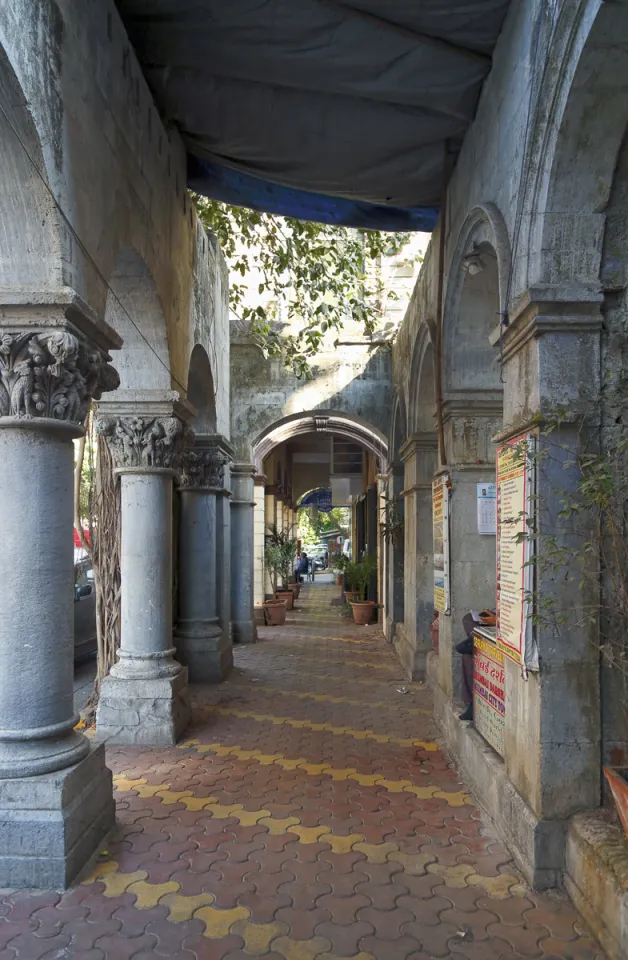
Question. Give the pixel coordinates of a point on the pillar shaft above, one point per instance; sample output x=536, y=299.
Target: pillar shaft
x=144, y=699
x=55, y=792
x=201, y=643
x=413, y=639
x=242, y=553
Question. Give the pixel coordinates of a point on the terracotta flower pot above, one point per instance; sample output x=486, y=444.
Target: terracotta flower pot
x=353, y=596
x=275, y=611
x=339, y=580
x=296, y=589
x=619, y=789
x=286, y=595
x=363, y=612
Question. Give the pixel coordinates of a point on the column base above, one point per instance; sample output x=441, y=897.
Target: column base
x=412, y=659
x=537, y=845
x=51, y=824
x=207, y=653
x=243, y=631
x=150, y=712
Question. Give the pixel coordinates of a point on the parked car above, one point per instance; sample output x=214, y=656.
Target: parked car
x=85, y=645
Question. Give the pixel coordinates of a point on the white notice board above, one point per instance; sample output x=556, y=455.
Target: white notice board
x=487, y=508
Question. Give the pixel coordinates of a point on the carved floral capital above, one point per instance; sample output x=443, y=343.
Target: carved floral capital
x=202, y=467
x=144, y=442
x=52, y=375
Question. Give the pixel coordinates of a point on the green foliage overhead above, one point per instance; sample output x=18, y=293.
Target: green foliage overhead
x=319, y=274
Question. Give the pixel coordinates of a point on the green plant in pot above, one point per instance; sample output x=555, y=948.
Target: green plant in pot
x=275, y=609
x=358, y=574
x=338, y=564
x=286, y=548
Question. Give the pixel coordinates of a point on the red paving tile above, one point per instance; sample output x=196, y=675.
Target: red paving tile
x=311, y=815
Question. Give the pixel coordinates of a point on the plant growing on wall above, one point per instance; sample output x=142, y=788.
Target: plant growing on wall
x=323, y=274
x=586, y=542
x=392, y=520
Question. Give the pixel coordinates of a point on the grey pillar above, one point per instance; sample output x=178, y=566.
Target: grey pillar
x=223, y=552
x=413, y=639
x=242, y=553
x=56, y=803
x=200, y=641
x=144, y=700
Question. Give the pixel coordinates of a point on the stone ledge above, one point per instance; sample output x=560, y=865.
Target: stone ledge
x=538, y=846
x=143, y=712
x=596, y=878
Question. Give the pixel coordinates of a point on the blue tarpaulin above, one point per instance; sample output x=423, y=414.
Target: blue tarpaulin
x=340, y=111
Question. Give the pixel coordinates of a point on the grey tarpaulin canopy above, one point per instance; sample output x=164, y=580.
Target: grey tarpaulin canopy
x=340, y=109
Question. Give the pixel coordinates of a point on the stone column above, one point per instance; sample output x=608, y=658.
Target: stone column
x=552, y=735
x=56, y=801
x=270, y=517
x=412, y=638
x=471, y=421
x=144, y=700
x=259, y=531
x=199, y=638
x=394, y=548
x=242, y=553
x=223, y=550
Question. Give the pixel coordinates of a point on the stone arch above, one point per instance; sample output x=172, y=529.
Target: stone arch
x=30, y=236
x=422, y=392
x=321, y=421
x=398, y=426
x=201, y=393
x=134, y=310
x=570, y=185
x=477, y=284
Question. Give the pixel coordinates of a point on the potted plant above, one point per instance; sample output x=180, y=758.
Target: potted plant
x=286, y=553
x=360, y=573
x=338, y=564
x=354, y=593
x=275, y=609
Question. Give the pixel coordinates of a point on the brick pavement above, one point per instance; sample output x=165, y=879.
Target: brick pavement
x=308, y=815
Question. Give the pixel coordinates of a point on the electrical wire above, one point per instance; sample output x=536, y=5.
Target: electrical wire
x=84, y=249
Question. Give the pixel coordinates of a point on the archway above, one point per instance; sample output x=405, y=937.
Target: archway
x=30, y=238
x=201, y=391
x=134, y=310
x=320, y=448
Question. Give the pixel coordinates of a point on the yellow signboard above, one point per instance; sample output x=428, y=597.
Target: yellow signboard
x=513, y=544
x=440, y=528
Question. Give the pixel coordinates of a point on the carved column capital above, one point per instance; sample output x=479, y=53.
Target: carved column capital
x=202, y=467
x=51, y=374
x=144, y=442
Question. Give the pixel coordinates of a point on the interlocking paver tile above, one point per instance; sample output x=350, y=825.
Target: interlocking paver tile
x=307, y=816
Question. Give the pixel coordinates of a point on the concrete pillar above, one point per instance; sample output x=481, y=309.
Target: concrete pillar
x=223, y=552
x=412, y=638
x=259, y=531
x=270, y=518
x=394, y=549
x=145, y=700
x=242, y=553
x=552, y=734
x=199, y=638
x=56, y=802
x=471, y=421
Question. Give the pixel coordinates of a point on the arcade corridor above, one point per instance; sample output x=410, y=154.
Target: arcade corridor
x=308, y=815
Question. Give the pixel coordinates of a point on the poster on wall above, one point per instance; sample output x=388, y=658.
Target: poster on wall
x=515, y=504
x=486, y=503
x=489, y=700
x=440, y=527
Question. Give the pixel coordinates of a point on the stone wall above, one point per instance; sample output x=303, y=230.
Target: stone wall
x=93, y=143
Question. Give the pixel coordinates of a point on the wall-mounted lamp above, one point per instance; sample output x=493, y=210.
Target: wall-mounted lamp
x=473, y=262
